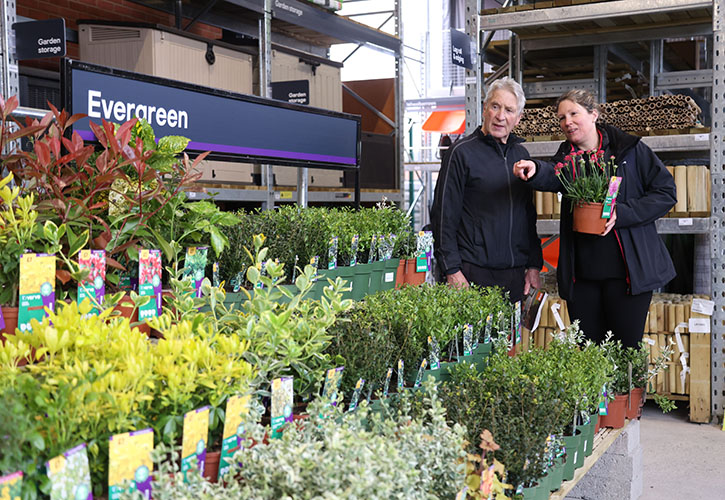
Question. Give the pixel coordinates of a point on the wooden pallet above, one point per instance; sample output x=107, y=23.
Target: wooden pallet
x=602, y=441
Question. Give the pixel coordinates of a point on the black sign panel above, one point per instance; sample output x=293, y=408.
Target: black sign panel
x=38, y=39
x=462, y=49
x=229, y=125
x=295, y=91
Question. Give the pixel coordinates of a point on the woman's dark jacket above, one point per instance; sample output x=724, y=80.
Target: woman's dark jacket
x=482, y=214
x=647, y=193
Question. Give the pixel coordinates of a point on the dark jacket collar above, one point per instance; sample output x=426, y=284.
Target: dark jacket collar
x=616, y=140
x=512, y=139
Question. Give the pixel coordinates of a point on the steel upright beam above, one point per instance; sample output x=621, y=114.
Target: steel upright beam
x=717, y=217
x=655, y=65
x=10, y=76
x=473, y=76
x=600, y=71
x=399, y=105
x=265, y=89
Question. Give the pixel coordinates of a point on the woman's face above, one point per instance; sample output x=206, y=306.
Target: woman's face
x=578, y=124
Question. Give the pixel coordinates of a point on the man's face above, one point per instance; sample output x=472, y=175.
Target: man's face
x=500, y=115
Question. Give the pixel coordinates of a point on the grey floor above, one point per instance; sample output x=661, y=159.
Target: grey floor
x=682, y=460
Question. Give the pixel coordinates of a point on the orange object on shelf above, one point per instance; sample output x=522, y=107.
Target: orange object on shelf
x=446, y=122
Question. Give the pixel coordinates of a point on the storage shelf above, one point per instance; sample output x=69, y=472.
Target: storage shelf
x=607, y=16
x=289, y=195
x=689, y=225
x=658, y=143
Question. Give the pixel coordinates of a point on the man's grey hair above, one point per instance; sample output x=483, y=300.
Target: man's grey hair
x=510, y=85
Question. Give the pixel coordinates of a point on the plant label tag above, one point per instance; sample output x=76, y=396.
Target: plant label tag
x=282, y=401
x=129, y=459
x=315, y=263
x=215, y=275
x=517, y=321
x=37, y=288
x=699, y=325
x=332, y=384
x=193, y=444
x=488, y=328
x=11, y=486
x=611, y=198
x=604, y=402
x=421, y=370
x=382, y=247
x=93, y=286
x=70, y=476
x=237, y=409
x=373, y=249
x=467, y=340
x=462, y=494
x=424, y=251
x=332, y=254
x=353, y=249
x=194, y=266
x=386, y=386
x=434, y=353
x=389, y=277
x=149, y=283
x=356, y=394
x=2, y=324
x=401, y=375
x=703, y=306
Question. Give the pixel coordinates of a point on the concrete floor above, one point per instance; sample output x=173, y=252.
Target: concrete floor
x=682, y=460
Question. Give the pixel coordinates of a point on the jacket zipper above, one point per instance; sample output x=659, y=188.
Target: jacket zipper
x=511, y=202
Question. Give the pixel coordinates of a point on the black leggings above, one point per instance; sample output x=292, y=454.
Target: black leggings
x=603, y=305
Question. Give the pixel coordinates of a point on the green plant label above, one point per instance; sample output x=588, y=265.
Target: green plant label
x=434, y=353
x=193, y=444
x=353, y=249
x=263, y=271
x=11, y=486
x=129, y=459
x=37, y=288
x=282, y=401
x=604, y=402
x=517, y=321
x=332, y=254
x=373, y=249
x=467, y=340
x=382, y=246
x=477, y=334
x=215, y=275
x=401, y=374
x=237, y=281
x=421, y=370
x=356, y=394
x=237, y=409
x=488, y=328
x=149, y=283
x=386, y=386
x=93, y=286
x=70, y=476
x=315, y=263
x=330, y=390
x=194, y=265
x=424, y=251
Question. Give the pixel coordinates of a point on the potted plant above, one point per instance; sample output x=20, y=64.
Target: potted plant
x=586, y=177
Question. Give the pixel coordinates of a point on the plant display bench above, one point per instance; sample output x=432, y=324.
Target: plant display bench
x=612, y=471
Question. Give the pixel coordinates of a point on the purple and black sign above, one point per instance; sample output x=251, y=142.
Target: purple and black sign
x=230, y=125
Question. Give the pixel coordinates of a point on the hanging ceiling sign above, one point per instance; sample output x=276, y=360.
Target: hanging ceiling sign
x=463, y=49
x=295, y=91
x=232, y=126
x=39, y=39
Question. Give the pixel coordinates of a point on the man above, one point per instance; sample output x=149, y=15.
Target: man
x=484, y=220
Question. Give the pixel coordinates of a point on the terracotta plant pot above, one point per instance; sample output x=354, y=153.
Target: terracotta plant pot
x=400, y=274
x=211, y=466
x=411, y=276
x=634, y=409
x=10, y=314
x=588, y=218
x=616, y=412
x=125, y=307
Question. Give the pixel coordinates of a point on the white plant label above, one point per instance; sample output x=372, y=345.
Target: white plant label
x=699, y=325
x=703, y=306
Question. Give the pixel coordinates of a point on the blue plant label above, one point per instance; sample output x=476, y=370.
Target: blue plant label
x=467, y=340
x=315, y=263
x=386, y=386
x=434, y=353
x=356, y=394
x=332, y=254
x=488, y=328
x=373, y=249
x=332, y=384
x=215, y=275
x=421, y=370
x=424, y=251
x=517, y=321
x=401, y=375
x=353, y=249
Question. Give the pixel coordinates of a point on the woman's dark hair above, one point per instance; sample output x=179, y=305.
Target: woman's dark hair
x=583, y=98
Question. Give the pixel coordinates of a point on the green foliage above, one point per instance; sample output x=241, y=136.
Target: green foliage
x=665, y=403
x=357, y=455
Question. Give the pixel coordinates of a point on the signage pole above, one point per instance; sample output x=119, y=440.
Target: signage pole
x=10, y=77
x=265, y=88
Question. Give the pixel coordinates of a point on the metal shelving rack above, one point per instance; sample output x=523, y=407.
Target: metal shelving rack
x=304, y=26
x=619, y=21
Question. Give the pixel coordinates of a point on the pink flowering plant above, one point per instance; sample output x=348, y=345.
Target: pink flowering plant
x=585, y=176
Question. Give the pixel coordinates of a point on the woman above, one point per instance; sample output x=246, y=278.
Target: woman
x=607, y=280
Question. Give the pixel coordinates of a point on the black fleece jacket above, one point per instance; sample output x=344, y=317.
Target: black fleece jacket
x=647, y=193
x=481, y=213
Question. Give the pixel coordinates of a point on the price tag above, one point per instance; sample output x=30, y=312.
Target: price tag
x=470, y=80
x=703, y=306
x=699, y=325
x=702, y=137
x=283, y=195
x=685, y=222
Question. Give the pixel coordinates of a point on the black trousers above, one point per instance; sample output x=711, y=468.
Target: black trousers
x=603, y=305
x=511, y=280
